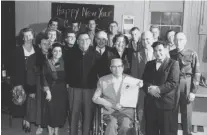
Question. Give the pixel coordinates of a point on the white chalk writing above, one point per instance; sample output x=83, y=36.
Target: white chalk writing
x=71, y=13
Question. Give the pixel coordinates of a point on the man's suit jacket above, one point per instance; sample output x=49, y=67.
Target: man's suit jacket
x=139, y=60
x=103, y=61
x=106, y=85
x=166, y=78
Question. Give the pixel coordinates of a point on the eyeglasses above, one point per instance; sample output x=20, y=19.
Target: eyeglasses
x=100, y=39
x=82, y=40
x=120, y=66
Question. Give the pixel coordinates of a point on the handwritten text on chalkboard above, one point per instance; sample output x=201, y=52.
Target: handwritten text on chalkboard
x=69, y=12
x=85, y=12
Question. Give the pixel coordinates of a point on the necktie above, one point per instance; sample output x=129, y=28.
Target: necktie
x=100, y=51
x=158, y=64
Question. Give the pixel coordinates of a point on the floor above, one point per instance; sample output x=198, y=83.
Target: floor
x=16, y=128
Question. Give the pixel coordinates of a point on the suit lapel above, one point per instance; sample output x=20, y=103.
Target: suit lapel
x=163, y=65
x=111, y=84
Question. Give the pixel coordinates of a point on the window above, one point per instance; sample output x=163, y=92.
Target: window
x=166, y=21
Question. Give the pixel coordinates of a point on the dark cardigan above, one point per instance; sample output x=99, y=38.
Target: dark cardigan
x=19, y=66
x=82, y=72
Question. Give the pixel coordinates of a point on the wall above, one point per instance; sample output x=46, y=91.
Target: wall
x=36, y=14
x=195, y=14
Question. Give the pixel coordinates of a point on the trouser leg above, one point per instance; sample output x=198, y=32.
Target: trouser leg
x=111, y=128
x=140, y=112
x=185, y=106
x=76, y=107
x=88, y=111
x=151, y=117
x=124, y=127
x=186, y=117
x=166, y=122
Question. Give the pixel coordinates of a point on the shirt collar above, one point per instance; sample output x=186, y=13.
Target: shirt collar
x=182, y=52
x=102, y=49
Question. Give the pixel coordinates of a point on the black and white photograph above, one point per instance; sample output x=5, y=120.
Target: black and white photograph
x=136, y=67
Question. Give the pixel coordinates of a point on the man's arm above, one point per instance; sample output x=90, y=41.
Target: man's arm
x=195, y=73
x=172, y=79
x=98, y=99
x=146, y=78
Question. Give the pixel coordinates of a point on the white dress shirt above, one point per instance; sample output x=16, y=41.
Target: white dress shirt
x=149, y=54
x=100, y=50
x=158, y=63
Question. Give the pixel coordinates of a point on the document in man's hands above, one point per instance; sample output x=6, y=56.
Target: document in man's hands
x=129, y=95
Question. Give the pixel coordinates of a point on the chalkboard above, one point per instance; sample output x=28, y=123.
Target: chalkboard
x=68, y=12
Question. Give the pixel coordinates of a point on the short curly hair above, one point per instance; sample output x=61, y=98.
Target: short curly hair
x=20, y=38
x=121, y=35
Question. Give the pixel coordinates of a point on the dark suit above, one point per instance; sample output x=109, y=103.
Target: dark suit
x=159, y=111
x=103, y=61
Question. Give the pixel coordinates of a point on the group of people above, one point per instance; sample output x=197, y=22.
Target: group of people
x=65, y=74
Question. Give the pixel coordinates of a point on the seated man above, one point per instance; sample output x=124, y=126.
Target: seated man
x=108, y=94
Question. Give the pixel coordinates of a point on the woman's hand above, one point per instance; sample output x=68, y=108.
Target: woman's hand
x=140, y=83
x=32, y=95
x=49, y=95
x=46, y=88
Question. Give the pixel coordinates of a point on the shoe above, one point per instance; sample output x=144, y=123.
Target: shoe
x=23, y=126
x=39, y=131
x=28, y=128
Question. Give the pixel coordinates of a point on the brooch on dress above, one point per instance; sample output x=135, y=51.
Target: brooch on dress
x=127, y=87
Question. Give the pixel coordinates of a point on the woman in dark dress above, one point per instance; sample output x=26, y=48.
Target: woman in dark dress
x=24, y=76
x=119, y=50
x=55, y=89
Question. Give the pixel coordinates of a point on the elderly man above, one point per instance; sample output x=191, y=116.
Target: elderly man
x=108, y=94
x=161, y=78
x=82, y=83
x=139, y=60
x=103, y=53
x=189, y=79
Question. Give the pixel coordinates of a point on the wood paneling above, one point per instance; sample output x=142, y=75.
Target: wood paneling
x=195, y=14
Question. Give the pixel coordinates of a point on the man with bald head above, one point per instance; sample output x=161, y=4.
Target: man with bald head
x=189, y=79
x=137, y=69
x=103, y=53
x=108, y=94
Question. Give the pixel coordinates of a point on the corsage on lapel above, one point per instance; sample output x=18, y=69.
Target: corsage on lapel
x=127, y=86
